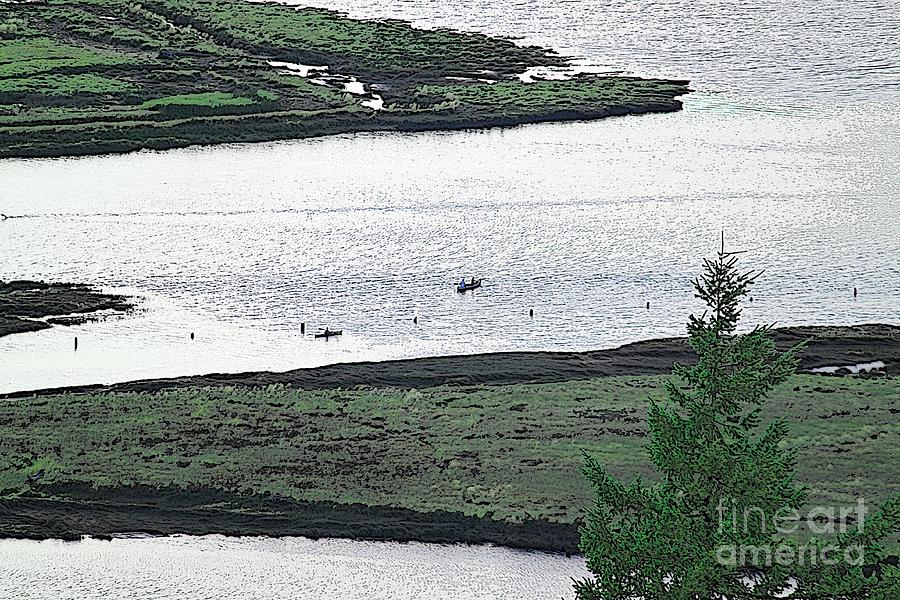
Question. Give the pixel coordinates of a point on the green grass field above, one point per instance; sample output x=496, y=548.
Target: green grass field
x=28, y=56
x=512, y=450
x=131, y=69
x=208, y=99
x=374, y=49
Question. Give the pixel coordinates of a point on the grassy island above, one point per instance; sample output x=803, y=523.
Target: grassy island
x=95, y=76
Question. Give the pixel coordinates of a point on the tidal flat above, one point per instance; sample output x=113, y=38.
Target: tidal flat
x=100, y=76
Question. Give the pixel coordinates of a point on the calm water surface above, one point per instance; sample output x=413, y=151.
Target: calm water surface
x=219, y=568
x=790, y=146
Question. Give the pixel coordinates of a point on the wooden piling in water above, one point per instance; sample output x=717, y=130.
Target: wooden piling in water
x=192, y=335
x=854, y=292
x=531, y=313
x=415, y=320
x=302, y=327
x=76, y=342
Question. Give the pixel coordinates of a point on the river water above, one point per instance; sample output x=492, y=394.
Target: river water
x=790, y=145
x=220, y=568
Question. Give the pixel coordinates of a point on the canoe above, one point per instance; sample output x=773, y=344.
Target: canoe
x=329, y=334
x=468, y=286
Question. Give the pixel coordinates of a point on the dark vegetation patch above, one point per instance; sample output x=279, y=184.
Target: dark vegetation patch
x=104, y=512
x=22, y=302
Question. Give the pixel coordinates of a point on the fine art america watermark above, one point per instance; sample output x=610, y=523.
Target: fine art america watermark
x=823, y=521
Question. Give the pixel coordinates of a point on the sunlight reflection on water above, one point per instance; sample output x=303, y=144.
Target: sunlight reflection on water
x=790, y=147
x=218, y=568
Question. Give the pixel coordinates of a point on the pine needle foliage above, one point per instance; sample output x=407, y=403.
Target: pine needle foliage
x=726, y=482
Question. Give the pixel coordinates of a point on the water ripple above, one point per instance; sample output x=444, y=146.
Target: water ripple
x=219, y=568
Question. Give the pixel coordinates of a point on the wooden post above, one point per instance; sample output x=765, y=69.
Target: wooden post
x=415, y=320
x=531, y=313
x=76, y=342
x=302, y=328
x=648, y=306
x=854, y=292
x=192, y=335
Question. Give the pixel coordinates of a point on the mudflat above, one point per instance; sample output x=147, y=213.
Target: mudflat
x=828, y=346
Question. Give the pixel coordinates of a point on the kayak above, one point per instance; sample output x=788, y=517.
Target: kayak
x=328, y=334
x=468, y=286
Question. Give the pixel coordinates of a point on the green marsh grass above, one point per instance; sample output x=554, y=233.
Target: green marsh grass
x=512, y=450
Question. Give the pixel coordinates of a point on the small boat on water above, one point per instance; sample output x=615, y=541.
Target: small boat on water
x=327, y=334
x=463, y=286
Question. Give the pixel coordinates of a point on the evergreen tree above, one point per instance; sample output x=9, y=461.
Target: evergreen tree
x=726, y=480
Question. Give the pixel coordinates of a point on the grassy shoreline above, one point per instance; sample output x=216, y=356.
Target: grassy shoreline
x=99, y=76
x=98, y=138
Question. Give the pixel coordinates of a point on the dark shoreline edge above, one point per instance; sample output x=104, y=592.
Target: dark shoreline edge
x=169, y=511
x=828, y=346
x=106, y=512
x=286, y=127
